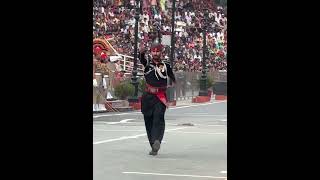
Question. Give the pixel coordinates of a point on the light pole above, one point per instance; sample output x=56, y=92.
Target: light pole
x=134, y=78
x=171, y=89
x=203, y=80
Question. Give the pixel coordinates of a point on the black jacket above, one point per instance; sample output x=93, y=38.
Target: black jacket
x=149, y=101
x=154, y=78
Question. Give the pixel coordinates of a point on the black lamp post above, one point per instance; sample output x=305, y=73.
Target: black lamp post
x=134, y=78
x=203, y=80
x=171, y=89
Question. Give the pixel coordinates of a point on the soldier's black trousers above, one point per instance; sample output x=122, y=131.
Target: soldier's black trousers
x=154, y=122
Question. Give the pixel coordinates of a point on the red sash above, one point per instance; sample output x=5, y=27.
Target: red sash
x=160, y=92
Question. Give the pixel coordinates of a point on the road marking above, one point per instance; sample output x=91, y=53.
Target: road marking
x=196, y=132
x=220, y=114
x=120, y=122
x=118, y=130
x=131, y=137
x=107, y=115
x=120, y=138
x=216, y=125
x=223, y=172
x=196, y=115
x=181, y=175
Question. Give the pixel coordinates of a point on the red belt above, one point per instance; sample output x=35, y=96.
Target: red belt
x=155, y=90
x=160, y=92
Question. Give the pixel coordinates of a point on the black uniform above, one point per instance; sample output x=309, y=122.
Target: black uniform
x=151, y=106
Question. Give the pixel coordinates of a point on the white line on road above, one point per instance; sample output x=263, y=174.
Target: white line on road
x=195, y=132
x=106, y=115
x=196, y=115
x=220, y=114
x=181, y=175
x=120, y=138
x=122, y=121
x=216, y=125
x=223, y=172
x=131, y=137
x=118, y=130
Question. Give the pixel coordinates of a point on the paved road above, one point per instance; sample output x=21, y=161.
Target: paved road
x=194, y=147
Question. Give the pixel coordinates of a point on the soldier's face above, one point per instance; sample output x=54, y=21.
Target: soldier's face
x=156, y=54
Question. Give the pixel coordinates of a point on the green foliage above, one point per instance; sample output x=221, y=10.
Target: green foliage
x=124, y=90
x=210, y=82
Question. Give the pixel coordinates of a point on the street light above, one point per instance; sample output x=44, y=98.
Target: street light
x=135, y=65
x=170, y=90
x=203, y=80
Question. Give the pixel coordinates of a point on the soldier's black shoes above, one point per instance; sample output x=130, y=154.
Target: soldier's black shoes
x=156, y=146
x=153, y=153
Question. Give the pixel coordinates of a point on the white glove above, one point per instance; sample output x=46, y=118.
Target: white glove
x=95, y=83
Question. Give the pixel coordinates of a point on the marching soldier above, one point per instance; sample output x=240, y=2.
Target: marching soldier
x=154, y=100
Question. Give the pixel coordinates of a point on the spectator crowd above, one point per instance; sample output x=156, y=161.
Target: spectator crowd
x=115, y=19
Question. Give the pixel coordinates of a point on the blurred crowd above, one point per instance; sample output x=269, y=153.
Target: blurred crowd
x=114, y=19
